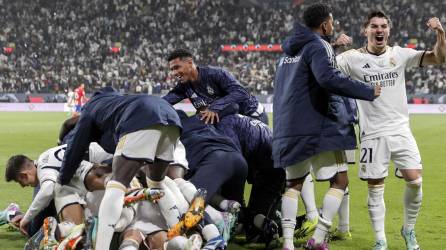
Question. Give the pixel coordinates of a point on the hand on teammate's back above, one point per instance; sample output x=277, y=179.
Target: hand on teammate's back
x=209, y=116
x=377, y=91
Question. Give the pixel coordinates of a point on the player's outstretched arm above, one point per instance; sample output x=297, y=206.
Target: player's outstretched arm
x=438, y=54
x=40, y=201
x=333, y=80
x=76, y=147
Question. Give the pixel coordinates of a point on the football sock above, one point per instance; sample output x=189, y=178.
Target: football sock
x=377, y=210
x=307, y=194
x=289, y=212
x=187, y=188
x=210, y=231
x=168, y=205
x=183, y=205
x=344, y=213
x=412, y=203
x=330, y=206
x=109, y=213
x=215, y=215
x=177, y=243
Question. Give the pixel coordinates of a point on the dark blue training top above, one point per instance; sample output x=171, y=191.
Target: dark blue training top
x=215, y=88
x=112, y=115
x=253, y=137
x=309, y=115
x=200, y=139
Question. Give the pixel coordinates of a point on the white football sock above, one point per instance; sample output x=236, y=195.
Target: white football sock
x=377, y=210
x=187, y=188
x=289, y=212
x=168, y=206
x=215, y=215
x=177, y=243
x=330, y=206
x=183, y=205
x=307, y=194
x=413, y=195
x=210, y=231
x=344, y=213
x=109, y=213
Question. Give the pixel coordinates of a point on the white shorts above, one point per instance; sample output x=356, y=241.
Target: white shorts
x=148, y=219
x=75, y=191
x=324, y=165
x=376, y=153
x=157, y=141
x=351, y=156
x=66, y=195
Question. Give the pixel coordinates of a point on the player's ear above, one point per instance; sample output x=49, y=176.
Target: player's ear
x=323, y=27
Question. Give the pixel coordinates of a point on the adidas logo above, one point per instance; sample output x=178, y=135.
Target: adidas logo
x=366, y=66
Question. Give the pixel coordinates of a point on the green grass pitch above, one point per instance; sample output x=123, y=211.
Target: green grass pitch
x=32, y=133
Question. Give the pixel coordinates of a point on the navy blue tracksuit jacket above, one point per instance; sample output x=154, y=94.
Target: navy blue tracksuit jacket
x=109, y=115
x=252, y=136
x=216, y=89
x=309, y=115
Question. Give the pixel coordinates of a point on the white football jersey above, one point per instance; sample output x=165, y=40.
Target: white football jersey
x=50, y=162
x=388, y=114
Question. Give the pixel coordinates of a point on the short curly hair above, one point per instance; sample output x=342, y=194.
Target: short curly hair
x=316, y=14
x=179, y=53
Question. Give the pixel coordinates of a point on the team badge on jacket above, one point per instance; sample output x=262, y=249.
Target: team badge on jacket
x=210, y=90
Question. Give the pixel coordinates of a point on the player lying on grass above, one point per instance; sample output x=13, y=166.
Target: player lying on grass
x=148, y=217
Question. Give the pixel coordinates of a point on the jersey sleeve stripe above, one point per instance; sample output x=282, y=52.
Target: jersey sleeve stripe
x=421, y=59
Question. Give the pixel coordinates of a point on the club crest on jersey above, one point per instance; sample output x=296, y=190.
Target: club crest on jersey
x=392, y=61
x=210, y=90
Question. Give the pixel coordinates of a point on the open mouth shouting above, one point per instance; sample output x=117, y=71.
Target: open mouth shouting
x=379, y=39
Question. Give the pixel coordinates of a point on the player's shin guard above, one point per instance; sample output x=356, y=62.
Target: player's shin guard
x=307, y=194
x=377, y=210
x=289, y=211
x=412, y=203
x=109, y=213
x=330, y=206
x=129, y=244
x=344, y=213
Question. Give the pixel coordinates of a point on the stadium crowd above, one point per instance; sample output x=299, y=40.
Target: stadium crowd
x=58, y=44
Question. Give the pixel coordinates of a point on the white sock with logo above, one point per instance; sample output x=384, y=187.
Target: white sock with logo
x=307, y=194
x=168, y=204
x=109, y=214
x=330, y=206
x=413, y=195
x=344, y=213
x=377, y=210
